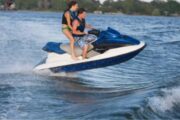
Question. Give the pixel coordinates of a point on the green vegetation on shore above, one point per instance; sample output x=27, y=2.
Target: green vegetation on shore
x=156, y=7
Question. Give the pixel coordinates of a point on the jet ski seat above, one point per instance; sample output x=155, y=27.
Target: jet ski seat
x=78, y=51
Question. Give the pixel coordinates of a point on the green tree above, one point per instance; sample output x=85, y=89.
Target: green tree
x=156, y=12
x=26, y=4
x=90, y=5
x=1, y=2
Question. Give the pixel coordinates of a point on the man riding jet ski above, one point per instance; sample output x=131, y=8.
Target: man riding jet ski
x=78, y=27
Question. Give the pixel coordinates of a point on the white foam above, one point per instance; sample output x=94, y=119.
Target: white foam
x=26, y=34
x=16, y=68
x=47, y=72
x=166, y=102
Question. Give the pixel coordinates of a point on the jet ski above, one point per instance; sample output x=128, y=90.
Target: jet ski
x=110, y=48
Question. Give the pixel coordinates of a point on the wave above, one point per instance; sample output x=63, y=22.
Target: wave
x=172, y=43
x=167, y=101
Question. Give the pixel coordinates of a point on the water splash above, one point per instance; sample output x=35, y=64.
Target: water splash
x=170, y=98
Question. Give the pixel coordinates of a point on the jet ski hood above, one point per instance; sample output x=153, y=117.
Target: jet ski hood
x=111, y=36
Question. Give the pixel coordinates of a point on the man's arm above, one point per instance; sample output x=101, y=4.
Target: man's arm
x=75, y=31
x=89, y=26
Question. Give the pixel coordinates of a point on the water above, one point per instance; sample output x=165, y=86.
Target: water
x=146, y=87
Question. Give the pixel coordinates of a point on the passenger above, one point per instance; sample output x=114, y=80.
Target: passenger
x=83, y=39
x=67, y=19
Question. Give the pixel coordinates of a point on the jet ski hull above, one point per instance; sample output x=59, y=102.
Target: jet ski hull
x=96, y=64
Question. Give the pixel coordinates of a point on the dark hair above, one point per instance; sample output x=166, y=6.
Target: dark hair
x=81, y=10
x=71, y=3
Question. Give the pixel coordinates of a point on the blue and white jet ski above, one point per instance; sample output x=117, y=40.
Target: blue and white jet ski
x=110, y=48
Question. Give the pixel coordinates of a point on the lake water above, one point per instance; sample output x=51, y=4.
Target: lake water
x=145, y=87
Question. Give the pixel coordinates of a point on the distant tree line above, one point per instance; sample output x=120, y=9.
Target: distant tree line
x=54, y=5
x=156, y=7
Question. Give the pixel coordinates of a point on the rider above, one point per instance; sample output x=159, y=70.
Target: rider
x=82, y=38
x=67, y=19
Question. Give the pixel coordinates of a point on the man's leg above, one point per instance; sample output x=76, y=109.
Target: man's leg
x=85, y=49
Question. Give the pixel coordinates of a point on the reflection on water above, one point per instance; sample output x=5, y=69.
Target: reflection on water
x=145, y=87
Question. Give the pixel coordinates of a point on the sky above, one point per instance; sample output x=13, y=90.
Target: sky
x=141, y=0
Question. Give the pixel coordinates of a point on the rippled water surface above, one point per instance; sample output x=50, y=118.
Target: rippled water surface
x=146, y=87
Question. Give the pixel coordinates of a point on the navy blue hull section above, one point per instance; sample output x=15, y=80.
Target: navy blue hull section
x=96, y=64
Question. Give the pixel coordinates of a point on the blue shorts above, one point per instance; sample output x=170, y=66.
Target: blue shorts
x=85, y=40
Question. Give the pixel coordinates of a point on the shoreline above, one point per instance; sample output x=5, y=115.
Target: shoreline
x=105, y=13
